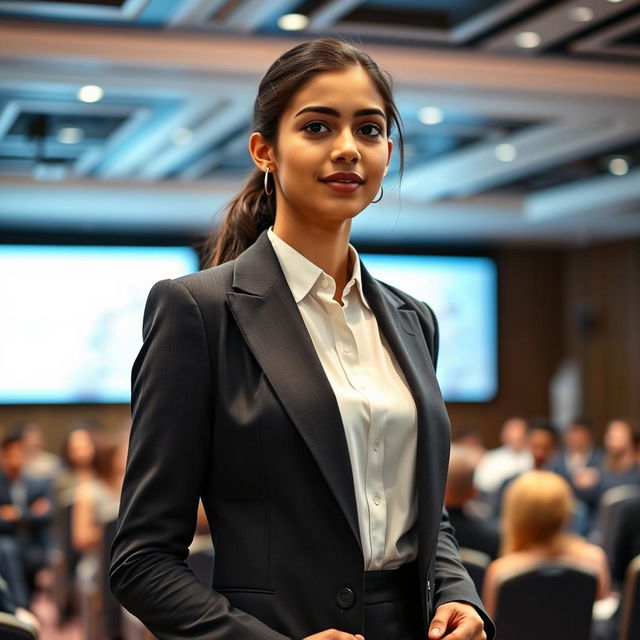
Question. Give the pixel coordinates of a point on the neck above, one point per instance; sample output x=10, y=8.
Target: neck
x=327, y=247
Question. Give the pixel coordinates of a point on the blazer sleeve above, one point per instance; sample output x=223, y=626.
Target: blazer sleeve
x=172, y=408
x=452, y=581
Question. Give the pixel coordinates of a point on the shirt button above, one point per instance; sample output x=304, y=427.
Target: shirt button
x=346, y=348
x=376, y=445
x=376, y=499
x=324, y=283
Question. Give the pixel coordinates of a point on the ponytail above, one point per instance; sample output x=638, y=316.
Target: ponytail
x=246, y=217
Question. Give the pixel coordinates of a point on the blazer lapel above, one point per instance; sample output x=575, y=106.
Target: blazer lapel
x=271, y=324
x=400, y=325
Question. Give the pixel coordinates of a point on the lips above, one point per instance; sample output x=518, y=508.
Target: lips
x=343, y=177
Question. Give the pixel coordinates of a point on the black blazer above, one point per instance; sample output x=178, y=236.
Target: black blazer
x=230, y=403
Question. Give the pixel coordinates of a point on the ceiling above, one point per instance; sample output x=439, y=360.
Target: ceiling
x=505, y=143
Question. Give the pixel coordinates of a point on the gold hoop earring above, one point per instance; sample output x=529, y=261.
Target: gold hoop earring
x=266, y=182
x=381, y=194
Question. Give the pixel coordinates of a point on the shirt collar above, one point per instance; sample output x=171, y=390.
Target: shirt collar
x=302, y=274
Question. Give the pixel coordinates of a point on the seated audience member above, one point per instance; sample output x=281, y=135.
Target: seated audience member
x=25, y=514
x=542, y=444
x=38, y=462
x=470, y=531
x=511, y=458
x=626, y=541
x=580, y=463
x=536, y=513
x=96, y=503
x=78, y=463
x=471, y=439
x=620, y=466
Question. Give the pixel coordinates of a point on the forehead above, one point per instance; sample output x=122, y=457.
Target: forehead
x=345, y=91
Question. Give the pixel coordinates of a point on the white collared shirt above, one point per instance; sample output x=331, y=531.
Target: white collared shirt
x=377, y=409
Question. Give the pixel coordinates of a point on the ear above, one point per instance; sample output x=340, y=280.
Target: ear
x=390, y=146
x=261, y=152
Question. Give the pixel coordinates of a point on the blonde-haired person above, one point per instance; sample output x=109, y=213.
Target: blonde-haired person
x=535, y=529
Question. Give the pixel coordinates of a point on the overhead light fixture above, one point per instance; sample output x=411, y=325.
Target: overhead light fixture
x=90, y=93
x=614, y=1
x=580, y=14
x=527, y=39
x=505, y=152
x=181, y=136
x=70, y=135
x=619, y=166
x=431, y=115
x=293, y=22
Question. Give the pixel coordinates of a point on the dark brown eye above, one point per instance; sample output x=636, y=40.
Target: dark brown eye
x=307, y=127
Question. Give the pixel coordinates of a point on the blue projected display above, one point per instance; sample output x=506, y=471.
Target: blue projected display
x=71, y=318
x=462, y=291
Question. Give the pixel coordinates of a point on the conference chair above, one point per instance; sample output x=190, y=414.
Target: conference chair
x=630, y=618
x=608, y=515
x=13, y=629
x=476, y=563
x=553, y=601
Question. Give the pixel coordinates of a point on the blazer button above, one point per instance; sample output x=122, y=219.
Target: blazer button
x=345, y=598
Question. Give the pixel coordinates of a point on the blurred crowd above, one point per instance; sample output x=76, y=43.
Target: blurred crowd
x=547, y=496
x=542, y=496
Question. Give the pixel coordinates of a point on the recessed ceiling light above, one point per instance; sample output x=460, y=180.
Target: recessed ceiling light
x=293, y=22
x=505, y=152
x=90, y=93
x=70, y=135
x=181, y=136
x=527, y=39
x=619, y=166
x=614, y=1
x=580, y=14
x=431, y=115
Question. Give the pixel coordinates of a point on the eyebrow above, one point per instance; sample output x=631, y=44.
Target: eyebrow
x=332, y=112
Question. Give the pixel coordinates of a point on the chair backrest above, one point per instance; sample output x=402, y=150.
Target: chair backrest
x=630, y=618
x=13, y=629
x=609, y=508
x=476, y=563
x=553, y=601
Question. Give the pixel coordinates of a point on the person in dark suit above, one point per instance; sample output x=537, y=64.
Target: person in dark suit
x=26, y=510
x=296, y=395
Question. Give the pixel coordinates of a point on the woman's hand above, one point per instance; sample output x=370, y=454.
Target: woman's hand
x=334, y=634
x=459, y=621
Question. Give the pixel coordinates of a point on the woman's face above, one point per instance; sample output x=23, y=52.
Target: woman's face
x=321, y=133
x=80, y=448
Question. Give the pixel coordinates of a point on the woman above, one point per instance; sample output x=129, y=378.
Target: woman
x=538, y=507
x=297, y=396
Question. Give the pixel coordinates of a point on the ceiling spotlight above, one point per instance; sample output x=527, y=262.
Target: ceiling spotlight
x=527, y=39
x=431, y=115
x=181, y=136
x=505, y=152
x=293, y=22
x=580, y=14
x=70, y=135
x=618, y=166
x=90, y=93
x=614, y=1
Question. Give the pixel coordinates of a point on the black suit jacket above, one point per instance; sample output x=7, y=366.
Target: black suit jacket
x=231, y=403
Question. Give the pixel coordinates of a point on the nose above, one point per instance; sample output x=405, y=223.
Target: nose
x=345, y=148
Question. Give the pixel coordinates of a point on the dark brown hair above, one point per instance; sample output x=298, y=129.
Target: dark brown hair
x=252, y=210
